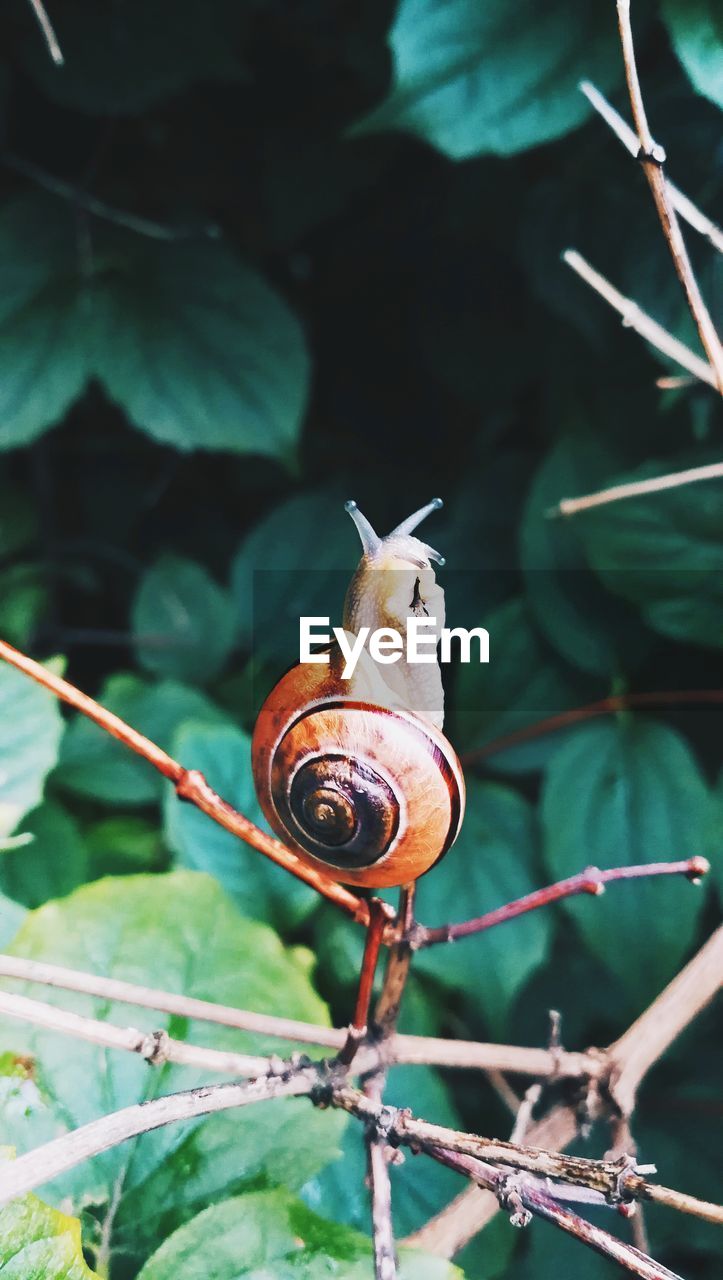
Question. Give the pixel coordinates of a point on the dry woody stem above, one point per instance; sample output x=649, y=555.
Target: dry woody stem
x=46, y=27
x=634, y=317
x=690, y=212
x=524, y=1179
x=638, y=488
x=189, y=783
x=651, y=158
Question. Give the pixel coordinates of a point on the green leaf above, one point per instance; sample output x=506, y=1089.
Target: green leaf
x=183, y=623
x=523, y=682
x=23, y=601
x=270, y=1233
x=12, y=915
x=191, y=342
x=661, y=551
x=494, y=861
x=478, y=78
x=261, y=889
x=124, y=843
x=577, y=617
x=284, y=569
x=696, y=30
x=18, y=519
x=39, y=1243
x=30, y=731
x=143, y=55
x=714, y=833
x=93, y=764
x=54, y=862
x=623, y=792
x=180, y=933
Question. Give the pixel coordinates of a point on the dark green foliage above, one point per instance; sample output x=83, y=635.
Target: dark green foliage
x=257, y=258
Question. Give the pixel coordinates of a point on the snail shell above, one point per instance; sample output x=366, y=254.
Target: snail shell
x=350, y=773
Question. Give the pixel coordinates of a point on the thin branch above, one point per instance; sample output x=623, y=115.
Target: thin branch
x=399, y=1048
x=592, y=880
x=100, y=209
x=61, y=1154
x=513, y=1059
x=683, y=1203
x=156, y=1047
x=461, y=1220
x=380, y=1188
x=635, y=318
x=383, y=1025
x=397, y=970
x=626, y=1255
x=617, y=1181
x=631, y=1057
x=636, y=488
x=524, y=1197
x=652, y=158
x=695, y=218
x=372, y=945
x=603, y=707
x=46, y=27
x=190, y=785
x=111, y=989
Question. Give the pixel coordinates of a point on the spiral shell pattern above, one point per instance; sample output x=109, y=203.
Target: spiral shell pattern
x=371, y=794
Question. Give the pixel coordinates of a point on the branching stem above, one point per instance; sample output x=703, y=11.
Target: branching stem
x=190, y=785
x=652, y=159
x=592, y=880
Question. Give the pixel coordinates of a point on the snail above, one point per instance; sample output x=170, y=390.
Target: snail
x=355, y=775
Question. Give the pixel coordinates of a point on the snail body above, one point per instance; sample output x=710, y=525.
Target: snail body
x=355, y=774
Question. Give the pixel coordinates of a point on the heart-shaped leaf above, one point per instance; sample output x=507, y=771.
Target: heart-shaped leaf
x=619, y=793
x=30, y=732
x=270, y=1233
x=478, y=78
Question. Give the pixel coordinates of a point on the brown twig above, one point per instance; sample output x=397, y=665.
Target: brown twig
x=634, y=317
x=642, y=1046
x=577, y=715
x=524, y=1197
x=156, y=1047
x=61, y=1154
x=652, y=158
x=380, y=1189
x=694, y=216
x=618, y=1181
x=475, y=1055
x=421, y=1050
x=592, y=880
x=190, y=785
x=115, y=989
x=46, y=27
x=644, y=1043
x=372, y=944
x=378, y=1153
x=637, y=488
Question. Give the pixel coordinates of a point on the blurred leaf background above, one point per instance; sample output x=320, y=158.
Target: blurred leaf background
x=256, y=258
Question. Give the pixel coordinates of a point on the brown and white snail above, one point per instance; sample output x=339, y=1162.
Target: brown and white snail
x=355, y=774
